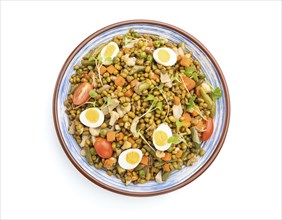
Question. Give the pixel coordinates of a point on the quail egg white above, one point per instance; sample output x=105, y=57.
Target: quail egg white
x=109, y=52
x=161, y=136
x=92, y=117
x=129, y=159
x=165, y=56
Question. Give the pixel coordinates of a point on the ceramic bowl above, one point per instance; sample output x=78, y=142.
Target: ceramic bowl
x=178, y=178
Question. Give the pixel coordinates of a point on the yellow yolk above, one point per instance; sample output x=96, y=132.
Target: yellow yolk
x=109, y=50
x=92, y=115
x=163, y=56
x=160, y=138
x=132, y=157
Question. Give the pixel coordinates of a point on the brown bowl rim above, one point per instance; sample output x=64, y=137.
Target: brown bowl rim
x=195, y=175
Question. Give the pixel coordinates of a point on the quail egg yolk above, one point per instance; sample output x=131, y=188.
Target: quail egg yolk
x=109, y=50
x=163, y=56
x=160, y=138
x=92, y=115
x=132, y=157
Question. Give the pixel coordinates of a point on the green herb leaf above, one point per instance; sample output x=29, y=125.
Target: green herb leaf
x=99, y=58
x=160, y=86
x=150, y=97
x=216, y=93
x=108, y=59
x=173, y=139
x=125, y=40
x=195, y=76
x=192, y=73
x=176, y=77
x=110, y=101
x=191, y=102
x=189, y=71
x=159, y=106
x=179, y=124
x=92, y=93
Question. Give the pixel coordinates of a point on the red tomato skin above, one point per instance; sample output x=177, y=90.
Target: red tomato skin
x=103, y=148
x=81, y=93
x=209, y=130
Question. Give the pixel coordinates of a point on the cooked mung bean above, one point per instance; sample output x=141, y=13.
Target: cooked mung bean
x=139, y=105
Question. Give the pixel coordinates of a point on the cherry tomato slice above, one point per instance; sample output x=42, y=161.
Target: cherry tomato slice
x=209, y=130
x=103, y=148
x=81, y=94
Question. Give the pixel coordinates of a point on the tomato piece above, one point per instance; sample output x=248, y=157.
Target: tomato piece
x=81, y=94
x=209, y=130
x=103, y=148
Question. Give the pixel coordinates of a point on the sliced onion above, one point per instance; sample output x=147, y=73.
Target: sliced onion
x=177, y=111
x=134, y=126
x=165, y=78
x=158, y=177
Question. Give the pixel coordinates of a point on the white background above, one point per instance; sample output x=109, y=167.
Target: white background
x=37, y=179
